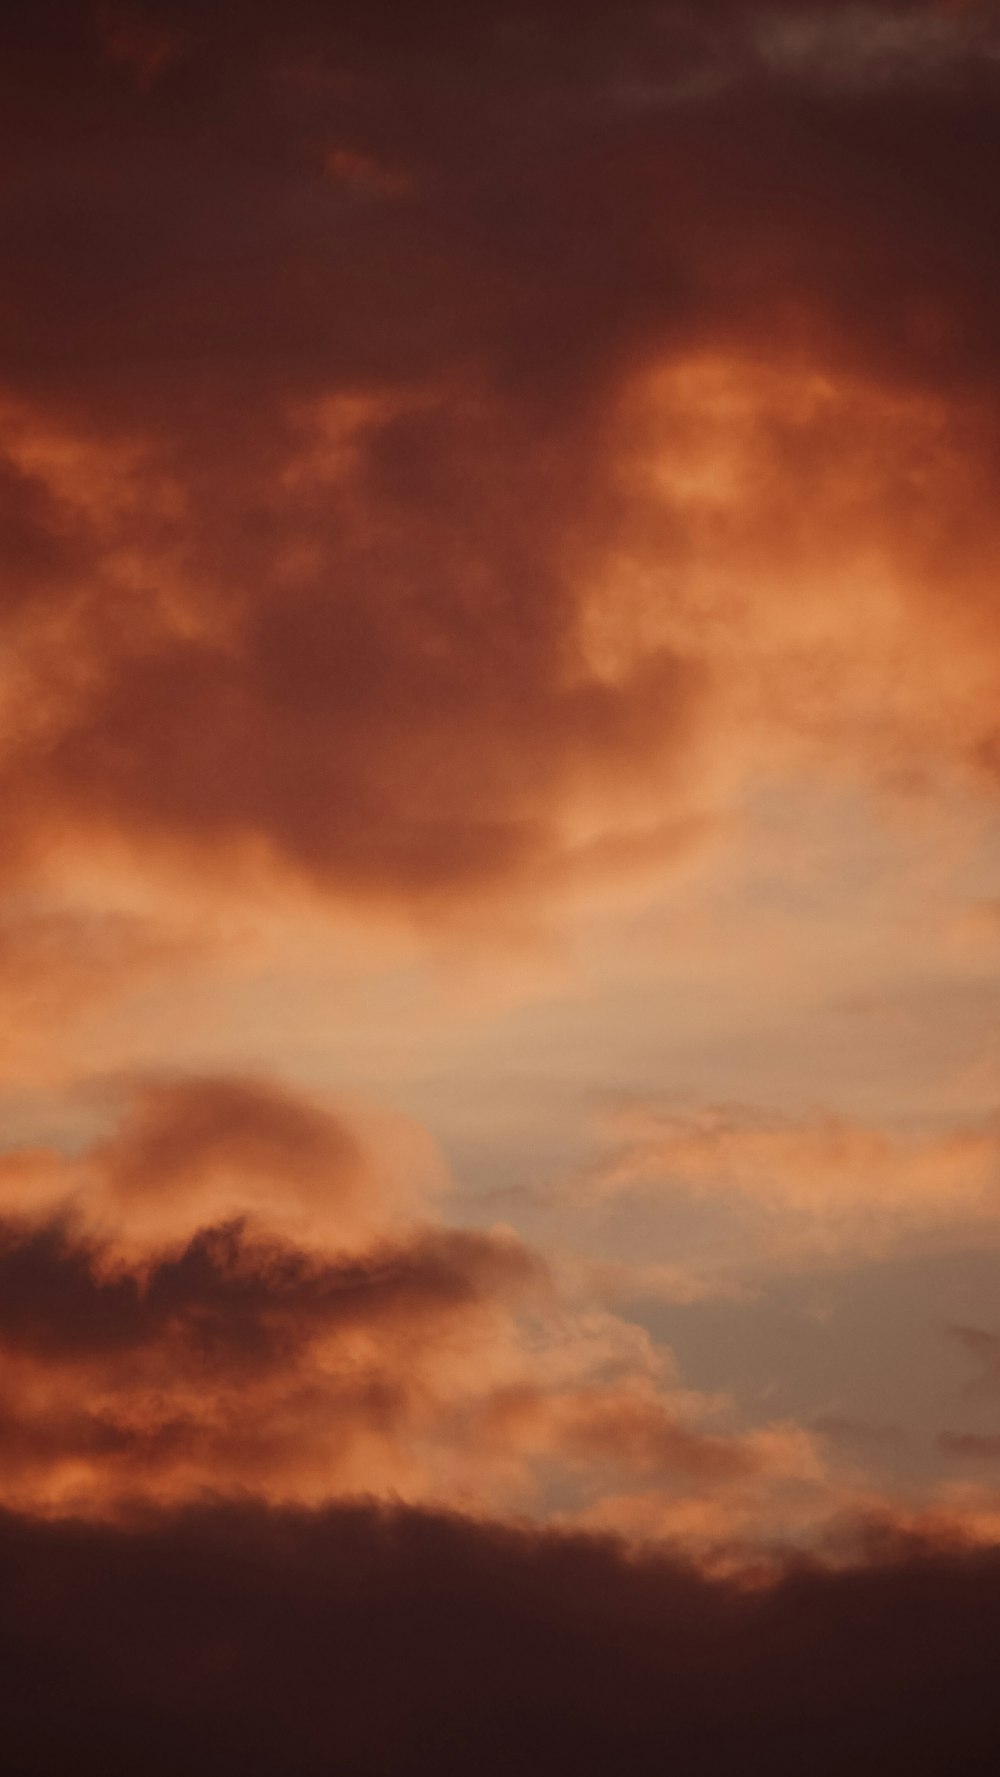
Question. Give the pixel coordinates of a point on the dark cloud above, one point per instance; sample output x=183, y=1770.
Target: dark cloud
x=228, y=1302
x=235, y=1359
x=363, y=1642
x=352, y=639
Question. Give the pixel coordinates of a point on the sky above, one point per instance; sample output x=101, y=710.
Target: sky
x=500, y=886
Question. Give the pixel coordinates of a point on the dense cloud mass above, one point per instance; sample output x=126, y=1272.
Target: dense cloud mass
x=364, y=1642
x=418, y=434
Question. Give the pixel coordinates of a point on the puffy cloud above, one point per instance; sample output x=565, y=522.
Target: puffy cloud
x=195, y=1152
x=234, y=1291
x=234, y=1363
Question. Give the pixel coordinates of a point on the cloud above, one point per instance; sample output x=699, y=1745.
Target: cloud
x=449, y=458
x=334, y=556
x=60, y=966
x=238, y=1290
x=444, y=458
x=812, y=1182
x=135, y=40
x=232, y=1639
x=977, y=1446
x=235, y=1362
x=862, y=46
x=191, y=1152
x=984, y=1346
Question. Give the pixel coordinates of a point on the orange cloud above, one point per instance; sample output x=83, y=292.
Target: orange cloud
x=671, y=448
x=229, y=1293
x=468, y=547
x=451, y=459
x=192, y=1153
x=818, y=1183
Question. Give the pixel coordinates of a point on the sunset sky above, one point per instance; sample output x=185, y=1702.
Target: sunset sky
x=500, y=936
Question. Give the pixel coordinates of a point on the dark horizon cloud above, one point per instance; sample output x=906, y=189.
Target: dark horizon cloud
x=369, y=1642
